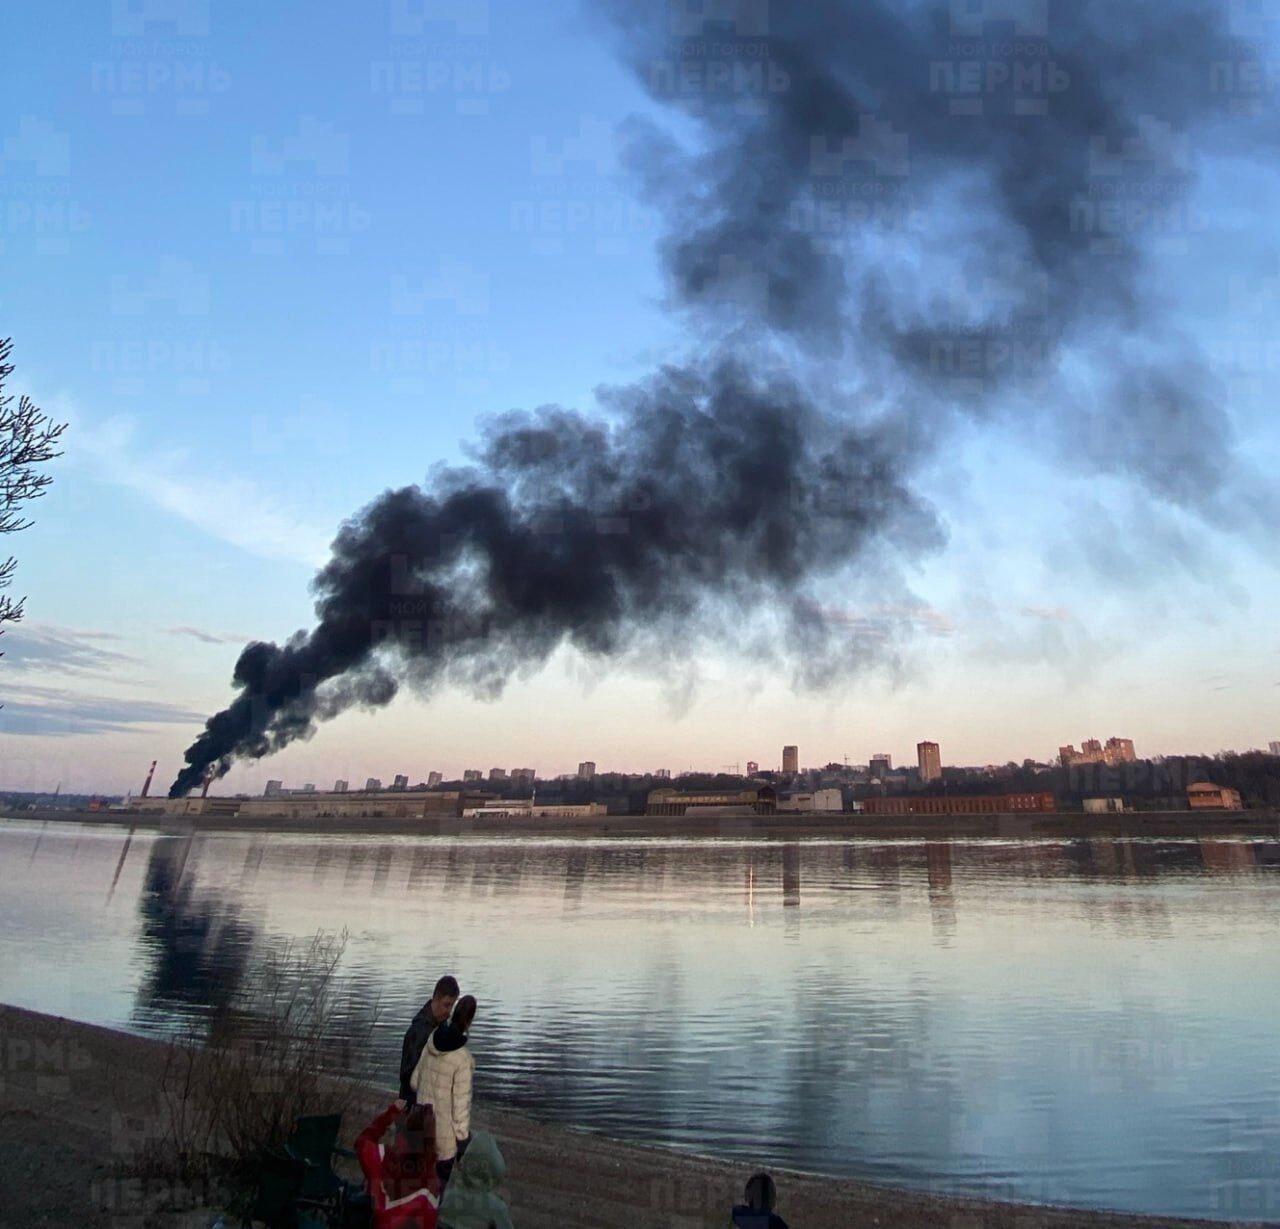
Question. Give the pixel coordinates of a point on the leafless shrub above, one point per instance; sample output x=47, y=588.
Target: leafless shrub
x=283, y=1048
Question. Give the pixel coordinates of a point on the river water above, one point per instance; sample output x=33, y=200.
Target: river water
x=1090, y=1022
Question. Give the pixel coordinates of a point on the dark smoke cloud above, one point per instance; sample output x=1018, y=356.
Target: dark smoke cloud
x=957, y=195
x=699, y=493
x=848, y=205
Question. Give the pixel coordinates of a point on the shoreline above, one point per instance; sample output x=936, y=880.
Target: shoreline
x=841, y=826
x=89, y=1091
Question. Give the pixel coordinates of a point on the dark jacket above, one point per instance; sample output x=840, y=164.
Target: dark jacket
x=415, y=1040
x=755, y=1218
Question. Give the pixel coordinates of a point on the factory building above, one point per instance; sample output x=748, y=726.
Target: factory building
x=812, y=801
x=365, y=804
x=186, y=806
x=762, y=801
x=978, y=804
x=518, y=808
x=1206, y=797
x=1104, y=806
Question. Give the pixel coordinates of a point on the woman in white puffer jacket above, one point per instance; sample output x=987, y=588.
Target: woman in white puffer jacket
x=442, y=1079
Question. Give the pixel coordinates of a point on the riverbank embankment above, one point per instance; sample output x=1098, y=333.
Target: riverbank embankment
x=76, y=1099
x=838, y=826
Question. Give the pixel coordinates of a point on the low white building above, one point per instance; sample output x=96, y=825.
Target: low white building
x=520, y=809
x=1104, y=806
x=818, y=800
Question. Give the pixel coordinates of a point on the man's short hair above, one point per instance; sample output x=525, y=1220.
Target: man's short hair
x=762, y=1195
x=446, y=988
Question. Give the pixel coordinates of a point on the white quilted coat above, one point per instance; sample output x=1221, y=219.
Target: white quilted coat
x=444, y=1081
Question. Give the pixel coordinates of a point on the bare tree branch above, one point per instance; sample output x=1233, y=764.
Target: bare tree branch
x=28, y=439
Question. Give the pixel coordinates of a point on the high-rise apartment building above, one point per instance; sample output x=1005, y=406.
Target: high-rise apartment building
x=587, y=770
x=881, y=764
x=339, y=787
x=929, y=758
x=1274, y=748
x=1119, y=751
x=274, y=789
x=523, y=776
x=472, y=774
x=662, y=774
x=401, y=781
x=434, y=779
x=752, y=768
x=309, y=788
x=791, y=759
x=497, y=774
x=373, y=783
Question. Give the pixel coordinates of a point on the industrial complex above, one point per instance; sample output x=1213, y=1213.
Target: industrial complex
x=1090, y=781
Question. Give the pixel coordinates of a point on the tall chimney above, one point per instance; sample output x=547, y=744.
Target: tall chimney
x=146, y=785
x=208, y=781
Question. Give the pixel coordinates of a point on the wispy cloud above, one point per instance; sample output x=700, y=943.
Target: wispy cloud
x=60, y=650
x=223, y=505
x=1050, y=614
x=198, y=633
x=58, y=712
x=884, y=621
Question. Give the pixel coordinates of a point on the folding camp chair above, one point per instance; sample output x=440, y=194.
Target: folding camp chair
x=313, y=1144
x=279, y=1180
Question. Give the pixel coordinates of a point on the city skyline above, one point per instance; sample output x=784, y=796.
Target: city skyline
x=928, y=767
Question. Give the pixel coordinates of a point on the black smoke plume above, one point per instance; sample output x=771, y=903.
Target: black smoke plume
x=913, y=207
x=704, y=493
x=957, y=196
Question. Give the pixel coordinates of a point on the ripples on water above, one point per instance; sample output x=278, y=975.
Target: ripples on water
x=1082, y=1021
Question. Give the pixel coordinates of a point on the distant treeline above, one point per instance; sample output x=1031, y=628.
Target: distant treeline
x=1162, y=781
x=1156, y=784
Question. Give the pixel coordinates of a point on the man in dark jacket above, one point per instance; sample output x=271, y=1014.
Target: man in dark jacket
x=434, y=1012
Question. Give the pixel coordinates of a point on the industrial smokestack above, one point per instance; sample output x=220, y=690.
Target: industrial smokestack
x=146, y=785
x=208, y=781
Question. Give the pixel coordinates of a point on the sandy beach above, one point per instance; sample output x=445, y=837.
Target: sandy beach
x=86, y=1096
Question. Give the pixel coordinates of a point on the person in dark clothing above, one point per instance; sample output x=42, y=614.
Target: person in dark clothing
x=757, y=1213
x=434, y=1013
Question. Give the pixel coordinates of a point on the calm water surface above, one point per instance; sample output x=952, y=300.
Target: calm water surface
x=1084, y=1021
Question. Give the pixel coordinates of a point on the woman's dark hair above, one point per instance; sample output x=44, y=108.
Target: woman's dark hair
x=761, y=1193
x=464, y=1011
x=412, y=1154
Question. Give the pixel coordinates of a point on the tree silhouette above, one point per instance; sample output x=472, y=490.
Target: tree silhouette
x=28, y=439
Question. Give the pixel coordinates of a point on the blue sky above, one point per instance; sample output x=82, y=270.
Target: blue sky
x=272, y=262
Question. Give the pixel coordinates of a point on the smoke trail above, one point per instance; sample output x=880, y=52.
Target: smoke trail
x=704, y=493
x=916, y=195
x=959, y=195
